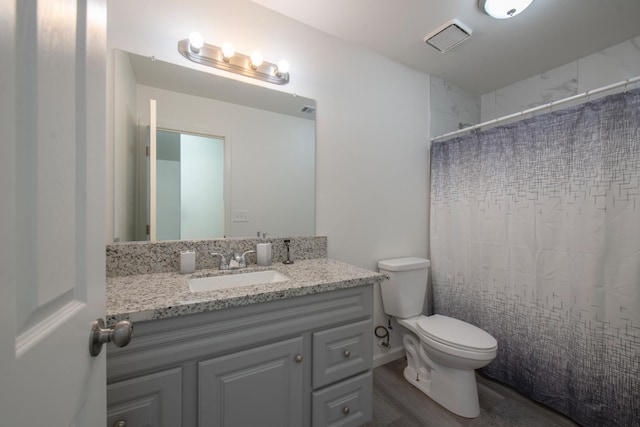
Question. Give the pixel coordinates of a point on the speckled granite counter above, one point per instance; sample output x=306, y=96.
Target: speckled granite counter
x=161, y=295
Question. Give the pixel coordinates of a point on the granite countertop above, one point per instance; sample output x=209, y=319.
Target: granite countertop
x=161, y=295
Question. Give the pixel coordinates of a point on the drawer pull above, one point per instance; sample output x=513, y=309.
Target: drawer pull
x=346, y=410
x=346, y=353
x=120, y=424
x=298, y=358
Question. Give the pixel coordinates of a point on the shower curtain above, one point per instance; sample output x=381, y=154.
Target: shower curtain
x=535, y=237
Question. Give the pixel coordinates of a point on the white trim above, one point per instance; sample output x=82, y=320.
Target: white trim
x=389, y=356
x=152, y=169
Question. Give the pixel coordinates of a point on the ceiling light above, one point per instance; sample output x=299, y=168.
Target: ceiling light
x=503, y=9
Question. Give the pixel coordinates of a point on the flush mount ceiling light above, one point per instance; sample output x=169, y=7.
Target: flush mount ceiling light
x=503, y=9
x=226, y=58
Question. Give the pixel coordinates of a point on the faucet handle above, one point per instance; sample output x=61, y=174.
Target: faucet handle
x=224, y=265
x=243, y=260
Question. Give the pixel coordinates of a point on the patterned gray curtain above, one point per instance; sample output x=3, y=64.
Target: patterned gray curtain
x=535, y=237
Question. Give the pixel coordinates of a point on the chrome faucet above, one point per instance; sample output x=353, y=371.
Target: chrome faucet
x=239, y=261
x=234, y=262
x=224, y=265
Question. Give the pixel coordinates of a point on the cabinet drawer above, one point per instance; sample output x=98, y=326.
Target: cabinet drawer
x=341, y=352
x=347, y=403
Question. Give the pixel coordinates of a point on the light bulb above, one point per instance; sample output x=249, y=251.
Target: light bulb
x=503, y=9
x=256, y=59
x=228, y=51
x=195, y=42
x=283, y=67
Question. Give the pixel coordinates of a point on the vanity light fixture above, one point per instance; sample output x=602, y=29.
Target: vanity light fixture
x=503, y=9
x=256, y=60
x=283, y=67
x=195, y=42
x=227, y=59
x=228, y=51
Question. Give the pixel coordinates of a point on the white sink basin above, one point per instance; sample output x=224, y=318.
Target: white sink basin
x=237, y=280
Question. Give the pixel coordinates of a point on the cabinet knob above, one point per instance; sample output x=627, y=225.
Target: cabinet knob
x=120, y=424
x=298, y=358
x=346, y=353
x=346, y=410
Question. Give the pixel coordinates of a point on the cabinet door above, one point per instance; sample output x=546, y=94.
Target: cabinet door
x=261, y=386
x=153, y=400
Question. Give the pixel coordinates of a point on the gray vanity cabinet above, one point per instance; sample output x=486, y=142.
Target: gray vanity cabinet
x=260, y=386
x=300, y=361
x=147, y=400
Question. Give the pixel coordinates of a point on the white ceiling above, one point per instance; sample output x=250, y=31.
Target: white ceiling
x=548, y=34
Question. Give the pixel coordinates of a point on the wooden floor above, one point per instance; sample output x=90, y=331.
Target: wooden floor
x=396, y=403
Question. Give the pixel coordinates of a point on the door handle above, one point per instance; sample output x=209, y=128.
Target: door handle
x=120, y=335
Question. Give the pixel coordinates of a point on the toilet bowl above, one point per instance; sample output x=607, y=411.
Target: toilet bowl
x=442, y=352
x=441, y=365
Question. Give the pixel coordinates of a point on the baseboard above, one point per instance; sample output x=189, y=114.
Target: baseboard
x=389, y=356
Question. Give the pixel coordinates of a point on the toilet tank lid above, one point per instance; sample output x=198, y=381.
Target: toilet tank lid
x=403, y=264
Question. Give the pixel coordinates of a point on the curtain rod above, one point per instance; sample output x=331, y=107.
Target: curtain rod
x=540, y=107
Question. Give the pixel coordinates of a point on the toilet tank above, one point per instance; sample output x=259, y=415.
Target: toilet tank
x=403, y=292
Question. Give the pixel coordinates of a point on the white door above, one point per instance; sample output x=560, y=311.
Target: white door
x=52, y=204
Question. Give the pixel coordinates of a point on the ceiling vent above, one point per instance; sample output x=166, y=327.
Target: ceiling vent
x=448, y=36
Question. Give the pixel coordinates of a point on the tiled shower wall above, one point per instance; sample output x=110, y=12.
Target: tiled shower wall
x=611, y=65
x=452, y=106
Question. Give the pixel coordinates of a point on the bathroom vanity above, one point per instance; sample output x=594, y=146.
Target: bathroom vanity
x=292, y=353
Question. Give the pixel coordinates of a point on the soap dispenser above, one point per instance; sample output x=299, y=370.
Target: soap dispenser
x=187, y=262
x=263, y=252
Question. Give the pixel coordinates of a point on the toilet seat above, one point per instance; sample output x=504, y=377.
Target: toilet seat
x=456, y=333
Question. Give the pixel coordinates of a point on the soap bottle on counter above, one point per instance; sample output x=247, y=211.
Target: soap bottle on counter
x=187, y=262
x=263, y=252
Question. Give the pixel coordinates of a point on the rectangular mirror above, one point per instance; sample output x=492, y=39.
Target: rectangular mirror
x=266, y=148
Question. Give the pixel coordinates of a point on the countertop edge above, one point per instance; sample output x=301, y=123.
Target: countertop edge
x=164, y=295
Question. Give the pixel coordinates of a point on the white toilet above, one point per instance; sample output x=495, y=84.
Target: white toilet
x=442, y=352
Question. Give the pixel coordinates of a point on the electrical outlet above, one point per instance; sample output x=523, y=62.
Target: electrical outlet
x=241, y=216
